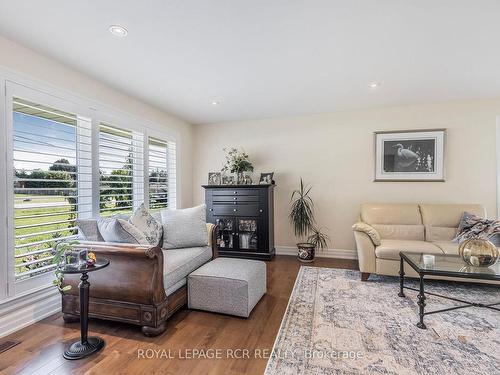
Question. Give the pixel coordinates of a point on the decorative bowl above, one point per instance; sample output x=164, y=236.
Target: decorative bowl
x=478, y=252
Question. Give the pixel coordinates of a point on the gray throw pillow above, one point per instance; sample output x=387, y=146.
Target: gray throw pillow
x=184, y=228
x=116, y=230
x=88, y=230
x=472, y=226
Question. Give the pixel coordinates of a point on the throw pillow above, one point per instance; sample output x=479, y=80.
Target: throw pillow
x=147, y=224
x=88, y=230
x=472, y=226
x=119, y=230
x=184, y=228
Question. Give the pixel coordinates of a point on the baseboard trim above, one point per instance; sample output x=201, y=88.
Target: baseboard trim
x=26, y=310
x=327, y=253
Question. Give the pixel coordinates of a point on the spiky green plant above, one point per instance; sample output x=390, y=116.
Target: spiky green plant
x=302, y=211
x=318, y=239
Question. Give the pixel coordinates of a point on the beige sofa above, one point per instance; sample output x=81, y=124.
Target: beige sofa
x=386, y=229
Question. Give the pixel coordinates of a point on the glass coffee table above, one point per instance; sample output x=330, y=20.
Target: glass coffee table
x=446, y=265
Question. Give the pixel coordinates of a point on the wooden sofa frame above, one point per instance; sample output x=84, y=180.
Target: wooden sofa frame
x=130, y=289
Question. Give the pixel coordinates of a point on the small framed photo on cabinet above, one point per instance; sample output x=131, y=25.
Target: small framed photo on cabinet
x=214, y=178
x=266, y=178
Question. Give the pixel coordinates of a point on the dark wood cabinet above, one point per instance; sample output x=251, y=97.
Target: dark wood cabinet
x=245, y=216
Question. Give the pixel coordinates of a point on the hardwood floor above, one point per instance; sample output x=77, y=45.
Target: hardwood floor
x=42, y=344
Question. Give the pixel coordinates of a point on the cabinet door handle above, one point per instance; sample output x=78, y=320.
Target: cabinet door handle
x=211, y=209
x=234, y=209
x=235, y=192
x=235, y=198
x=261, y=211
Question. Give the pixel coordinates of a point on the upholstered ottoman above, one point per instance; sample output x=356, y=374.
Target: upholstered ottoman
x=227, y=285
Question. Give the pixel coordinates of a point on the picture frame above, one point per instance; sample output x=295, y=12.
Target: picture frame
x=228, y=179
x=266, y=178
x=247, y=178
x=409, y=155
x=214, y=178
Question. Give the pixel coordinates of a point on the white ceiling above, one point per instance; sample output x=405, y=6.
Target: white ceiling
x=268, y=58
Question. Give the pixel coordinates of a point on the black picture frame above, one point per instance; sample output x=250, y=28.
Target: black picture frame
x=266, y=178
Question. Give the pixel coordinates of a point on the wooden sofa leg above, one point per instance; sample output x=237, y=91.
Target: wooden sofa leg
x=70, y=318
x=365, y=276
x=154, y=331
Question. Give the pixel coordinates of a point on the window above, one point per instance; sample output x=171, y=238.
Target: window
x=121, y=170
x=162, y=176
x=52, y=182
x=65, y=162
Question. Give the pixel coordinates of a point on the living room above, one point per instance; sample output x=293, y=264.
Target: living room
x=175, y=137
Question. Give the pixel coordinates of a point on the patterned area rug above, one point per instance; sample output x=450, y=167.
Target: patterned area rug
x=336, y=324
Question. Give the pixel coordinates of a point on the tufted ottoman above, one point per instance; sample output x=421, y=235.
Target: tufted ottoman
x=227, y=285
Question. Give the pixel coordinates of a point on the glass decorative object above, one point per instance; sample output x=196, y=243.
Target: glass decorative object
x=82, y=257
x=478, y=252
x=71, y=258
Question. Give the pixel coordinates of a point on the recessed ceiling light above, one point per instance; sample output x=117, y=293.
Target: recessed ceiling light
x=118, y=30
x=215, y=102
x=374, y=85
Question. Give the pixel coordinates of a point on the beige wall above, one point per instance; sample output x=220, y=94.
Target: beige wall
x=24, y=61
x=334, y=153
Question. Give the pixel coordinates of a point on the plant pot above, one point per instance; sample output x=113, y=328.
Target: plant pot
x=306, y=252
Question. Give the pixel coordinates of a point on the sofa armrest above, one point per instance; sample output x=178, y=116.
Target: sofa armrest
x=366, y=252
x=135, y=273
x=369, y=230
x=212, y=239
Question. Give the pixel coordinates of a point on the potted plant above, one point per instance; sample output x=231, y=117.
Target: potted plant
x=302, y=220
x=60, y=251
x=237, y=162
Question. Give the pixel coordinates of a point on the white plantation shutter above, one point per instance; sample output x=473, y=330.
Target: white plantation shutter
x=172, y=174
x=63, y=164
x=52, y=176
x=162, y=173
x=121, y=169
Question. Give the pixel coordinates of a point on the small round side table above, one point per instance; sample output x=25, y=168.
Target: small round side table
x=87, y=345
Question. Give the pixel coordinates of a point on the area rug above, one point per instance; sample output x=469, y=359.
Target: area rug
x=336, y=324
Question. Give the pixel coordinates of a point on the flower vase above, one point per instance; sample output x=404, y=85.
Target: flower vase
x=241, y=178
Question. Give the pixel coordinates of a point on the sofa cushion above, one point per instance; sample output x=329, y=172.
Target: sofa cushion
x=433, y=233
x=447, y=247
x=88, y=230
x=184, y=228
x=134, y=232
x=117, y=230
x=147, y=224
x=400, y=232
x=178, y=263
x=389, y=249
x=375, y=213
x=448, y=215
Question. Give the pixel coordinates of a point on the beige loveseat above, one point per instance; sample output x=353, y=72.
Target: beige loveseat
x=384, y=230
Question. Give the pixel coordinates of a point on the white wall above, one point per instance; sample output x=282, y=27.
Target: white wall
x=21, y=60
x=334, y=153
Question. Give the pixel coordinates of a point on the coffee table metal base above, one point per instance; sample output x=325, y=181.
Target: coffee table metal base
x=421, y=298
x=79, y=350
